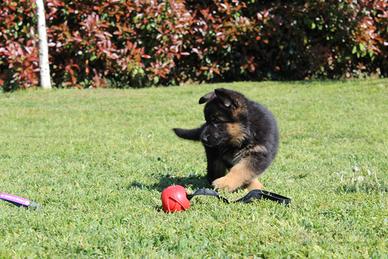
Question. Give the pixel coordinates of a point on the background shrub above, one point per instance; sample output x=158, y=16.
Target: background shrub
x=139, y=43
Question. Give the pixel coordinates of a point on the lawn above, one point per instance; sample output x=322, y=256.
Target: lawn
x=97, y=161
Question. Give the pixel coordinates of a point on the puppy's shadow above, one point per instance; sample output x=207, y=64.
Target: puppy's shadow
x=191, y=181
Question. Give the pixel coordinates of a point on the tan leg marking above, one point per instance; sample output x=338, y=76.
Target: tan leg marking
x=254, y=185
x=238, y=176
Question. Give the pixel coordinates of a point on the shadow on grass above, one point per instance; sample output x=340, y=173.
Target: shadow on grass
x=191, y=181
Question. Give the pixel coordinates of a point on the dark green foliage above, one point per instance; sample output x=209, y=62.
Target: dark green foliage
x=139, y=43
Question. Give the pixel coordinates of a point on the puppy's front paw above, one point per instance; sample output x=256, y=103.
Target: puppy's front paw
x=224, y=183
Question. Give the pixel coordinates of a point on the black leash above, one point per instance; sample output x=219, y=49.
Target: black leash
x=249, y=197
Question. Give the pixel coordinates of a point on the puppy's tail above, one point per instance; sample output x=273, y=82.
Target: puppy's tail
x=191, y=134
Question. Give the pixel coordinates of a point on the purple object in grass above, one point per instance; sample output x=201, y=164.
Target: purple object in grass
x=18, y=201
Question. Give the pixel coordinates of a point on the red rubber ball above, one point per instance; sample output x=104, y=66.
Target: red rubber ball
x=174, y=198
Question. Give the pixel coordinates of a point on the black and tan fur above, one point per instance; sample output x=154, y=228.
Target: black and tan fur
x=240, y=139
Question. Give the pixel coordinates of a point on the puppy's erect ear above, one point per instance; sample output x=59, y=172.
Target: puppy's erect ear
x=207, y=97
x=225, y=96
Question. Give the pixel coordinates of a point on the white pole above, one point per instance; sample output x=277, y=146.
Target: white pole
x=45, y=81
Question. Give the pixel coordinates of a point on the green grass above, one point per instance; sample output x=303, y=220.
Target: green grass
x=97, y=161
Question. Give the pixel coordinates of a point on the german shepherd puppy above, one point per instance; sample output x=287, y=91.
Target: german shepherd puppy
x=240, y=137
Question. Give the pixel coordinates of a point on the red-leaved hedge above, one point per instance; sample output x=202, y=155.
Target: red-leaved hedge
x=138, y=43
